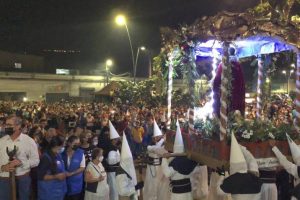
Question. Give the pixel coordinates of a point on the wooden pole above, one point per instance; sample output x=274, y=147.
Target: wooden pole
x=12, y=175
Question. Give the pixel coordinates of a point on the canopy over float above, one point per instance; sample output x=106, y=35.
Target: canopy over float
x=261, y=30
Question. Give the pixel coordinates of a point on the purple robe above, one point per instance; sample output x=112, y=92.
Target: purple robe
x=238, y=89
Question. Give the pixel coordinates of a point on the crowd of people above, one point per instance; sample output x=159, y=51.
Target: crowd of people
x=72, y=151
x=280, y=109
x=80, y=134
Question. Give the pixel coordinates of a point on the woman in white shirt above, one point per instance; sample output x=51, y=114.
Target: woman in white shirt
x=95, y=178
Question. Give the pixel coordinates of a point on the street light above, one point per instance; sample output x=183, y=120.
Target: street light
x=108, y=63
x=121, y=21
x=142, y=48
x=288, y=78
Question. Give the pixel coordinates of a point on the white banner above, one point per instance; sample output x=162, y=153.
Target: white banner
x=267, y=162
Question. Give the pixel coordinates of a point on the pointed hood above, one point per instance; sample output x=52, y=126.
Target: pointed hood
x=156, y=130
x=178, y=143
x=127, y=161
x=295, y=150
x=237, y=159
x=113, y=134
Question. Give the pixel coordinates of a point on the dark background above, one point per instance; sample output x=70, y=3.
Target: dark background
x=32, y=26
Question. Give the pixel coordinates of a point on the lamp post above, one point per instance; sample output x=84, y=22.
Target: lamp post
x=108, y=63
x=142, y=48
x=121, y=21
x=288, y=78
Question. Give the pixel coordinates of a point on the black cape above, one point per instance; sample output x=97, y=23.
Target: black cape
x=242, y=183
x=183, y=165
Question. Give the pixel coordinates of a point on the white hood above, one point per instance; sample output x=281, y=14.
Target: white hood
x=295, y=150
x=156, y=130
x=113, y=134
x=237, y=160
x=126, y=160
x=178, y=143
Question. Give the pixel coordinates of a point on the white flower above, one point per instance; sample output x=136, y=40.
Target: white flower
x=251, y=132
x=247, y=134
x=271, y=135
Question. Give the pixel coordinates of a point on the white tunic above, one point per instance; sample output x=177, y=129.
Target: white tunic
x=125, y=186
x=174, y=175
x=156, y=185
x=213, y=188
x=112, y=159
x=290, y=167
x=102, y=188
x=199, y=181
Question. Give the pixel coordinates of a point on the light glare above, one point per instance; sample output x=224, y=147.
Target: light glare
x=109, y=62
x=120, y=20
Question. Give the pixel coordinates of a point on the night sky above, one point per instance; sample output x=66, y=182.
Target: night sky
x=88, y=26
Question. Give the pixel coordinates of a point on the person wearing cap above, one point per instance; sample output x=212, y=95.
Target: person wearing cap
x=113, y=161
x=291, y=168
x=179, y=170
x=153, y=172
x=242, y=183
x=126, y=176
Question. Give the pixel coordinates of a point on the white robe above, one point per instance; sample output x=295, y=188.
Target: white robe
x=253, y=167
x=112, y=159
x=290, y=167
x=156, y=185
x=174, y=175
x=199, y=181
x=213, y=188
x=125, y=187
x=269, y=190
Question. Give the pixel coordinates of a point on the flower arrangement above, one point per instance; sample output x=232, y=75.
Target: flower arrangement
x=246, y=130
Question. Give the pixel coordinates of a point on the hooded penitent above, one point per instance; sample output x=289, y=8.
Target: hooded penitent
x=237, y=159
x=113, y=134
x=295, y=150
x=156, y=130
x=240, y=181
x=178, y=143
x=127, y=161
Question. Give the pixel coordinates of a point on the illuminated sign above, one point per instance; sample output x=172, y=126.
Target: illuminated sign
x=63, y=71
